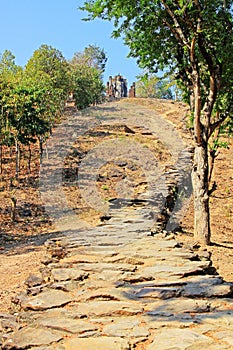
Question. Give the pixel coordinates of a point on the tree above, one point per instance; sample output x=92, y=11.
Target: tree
x=88, y=88
x=7, y=63
x=50, y=61
x=52, y=99
x=146, y=86
x=9, y=73
x=195, y=39
x=150, y=85
x=30, y=102
x=92, y=56
x=86, y=69
x=26, y=114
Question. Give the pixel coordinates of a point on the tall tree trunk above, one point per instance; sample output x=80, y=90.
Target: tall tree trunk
x=17, y=160
x=29, y=158
x=201, y=196
x=200, y=167
x=13, y=208
x=41, y=149
x=1, y=168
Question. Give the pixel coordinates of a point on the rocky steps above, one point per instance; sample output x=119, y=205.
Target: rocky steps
x=127, y=283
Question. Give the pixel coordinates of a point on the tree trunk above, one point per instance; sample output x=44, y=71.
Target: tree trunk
x=41, y=149
x=29, y=158
x=13, y=208
x=201, y=196
x=200, y=163
x=1, y=168
x=17, y=159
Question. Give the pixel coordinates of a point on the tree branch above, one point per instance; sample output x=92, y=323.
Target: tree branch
x=179, y=31
x=216, y=124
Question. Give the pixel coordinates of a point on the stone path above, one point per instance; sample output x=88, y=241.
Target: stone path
x=117, y=287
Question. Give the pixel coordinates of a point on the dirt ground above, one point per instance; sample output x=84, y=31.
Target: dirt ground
x=22, y=240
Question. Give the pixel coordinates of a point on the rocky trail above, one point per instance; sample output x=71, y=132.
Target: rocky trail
x=127, y=283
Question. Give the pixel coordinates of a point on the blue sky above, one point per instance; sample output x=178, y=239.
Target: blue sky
x=27, y=24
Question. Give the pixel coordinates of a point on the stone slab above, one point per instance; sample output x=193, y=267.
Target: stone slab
x=47, y=299
x=222, y=318
x=66, y=324
x=100, y=343
x=102, y=267
x=211, y=345
x=108, y=308
x=177, y=306
x=100, y=294
x=158, y=293
x=126, y=327
x=175, y=338
x=80, y=258
x=65, y=274
x=226, y=336
x=207, y=290
x=31, y=336
x=171, y=269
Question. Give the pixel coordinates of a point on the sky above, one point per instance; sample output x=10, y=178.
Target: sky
x=27, y=24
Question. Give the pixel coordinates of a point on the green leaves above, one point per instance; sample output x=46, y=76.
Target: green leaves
x=86, y=69
x=88, y=87
x=50, y=61
x=149, y=85
x=92, y=56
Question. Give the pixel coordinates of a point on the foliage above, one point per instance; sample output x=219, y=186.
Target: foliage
x=50, y=61
x=29, y=105
x=86, y=69
x=149, y=85
x=88, y=87
x=32, y=98
x=92, y=56
x=7, y=63
x=26, y=113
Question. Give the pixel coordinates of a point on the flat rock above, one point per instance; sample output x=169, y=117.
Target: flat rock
x=177, y=306
x=109, y=276
x=66, y=286
x=80, y=258
x=168, y=270
x=124, y=259
x=102, y=267
x=31, y=336
x=207, y=290
x=51, y=347
x=100, y=343
x=211, y=345
x=222, y=318
x=62, y=323
x=65, y=274
x=226, y=336
x=46, y=300
x=149, y=248
x=108, y=308
x=126, y=327
x=158, y=293
x=181, y=321
x=204, y=280
x=175, y=338
x=100, y=294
